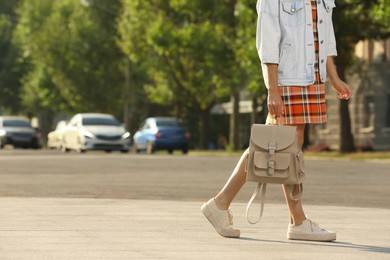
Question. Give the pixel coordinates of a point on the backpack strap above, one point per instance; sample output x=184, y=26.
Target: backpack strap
x=289, y=191
x=253, y=198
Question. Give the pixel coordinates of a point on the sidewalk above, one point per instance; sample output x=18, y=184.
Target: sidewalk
x=38, y=229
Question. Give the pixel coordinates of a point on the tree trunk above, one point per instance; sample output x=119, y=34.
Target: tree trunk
x=346, y=142
x=128, y=108
x=179, y=108
x=204, y=128
x=234, y=137
x=254, y=114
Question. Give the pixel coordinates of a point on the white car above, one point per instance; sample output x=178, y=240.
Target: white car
x=93, y=131
x=54, y=138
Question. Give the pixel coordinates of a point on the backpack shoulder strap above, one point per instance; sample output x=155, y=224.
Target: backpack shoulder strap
x=253, y=198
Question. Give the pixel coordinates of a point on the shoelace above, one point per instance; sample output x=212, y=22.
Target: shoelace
x=314, y=225
x=230, y=217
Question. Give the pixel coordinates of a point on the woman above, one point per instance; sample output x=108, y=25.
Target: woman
x=296, y=43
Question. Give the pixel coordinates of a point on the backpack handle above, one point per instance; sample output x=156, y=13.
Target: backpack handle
x=254, y=195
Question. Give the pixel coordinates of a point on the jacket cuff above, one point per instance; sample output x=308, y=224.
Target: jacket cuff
x=269, y=59
x=332, y=52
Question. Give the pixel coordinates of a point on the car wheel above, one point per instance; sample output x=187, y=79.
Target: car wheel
x=35, y=144
x=124, y=151
x=185, y=150
x=65, y=150
x=135, y=148
x=149, y=148
x=170, y=151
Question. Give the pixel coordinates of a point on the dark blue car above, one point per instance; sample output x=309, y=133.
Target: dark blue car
x=161, y=133
x=17, y=131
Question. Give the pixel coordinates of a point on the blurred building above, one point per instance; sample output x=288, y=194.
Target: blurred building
x=369, y=106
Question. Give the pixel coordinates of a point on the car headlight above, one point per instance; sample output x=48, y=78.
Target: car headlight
x=2, y=132
x=87, y=134
x=126, y=135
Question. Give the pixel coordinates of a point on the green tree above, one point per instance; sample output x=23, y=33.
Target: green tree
x=355, y=20
x=187, y=49
x=246, y=55
x=11, y=67
x=74, y=56
x=196, y=52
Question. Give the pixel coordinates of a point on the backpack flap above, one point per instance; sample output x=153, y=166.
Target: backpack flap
x=263, y=136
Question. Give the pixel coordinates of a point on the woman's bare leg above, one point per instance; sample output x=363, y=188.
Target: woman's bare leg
x=238, y=178
x=295, y=206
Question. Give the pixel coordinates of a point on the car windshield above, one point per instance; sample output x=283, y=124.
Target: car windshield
x=100, y=121
x=167, y=123
x=16, y=123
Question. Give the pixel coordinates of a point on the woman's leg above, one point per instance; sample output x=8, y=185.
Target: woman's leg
x=295, y=206
x=238, y=178
x=217, y=210
x=301, y=228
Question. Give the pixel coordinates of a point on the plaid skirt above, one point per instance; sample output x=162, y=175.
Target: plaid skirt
x=302, y=105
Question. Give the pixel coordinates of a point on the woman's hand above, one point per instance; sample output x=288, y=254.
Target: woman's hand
x=275, y=103
x=342, y=88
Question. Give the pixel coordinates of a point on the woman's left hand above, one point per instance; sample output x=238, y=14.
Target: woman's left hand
x=342, y=88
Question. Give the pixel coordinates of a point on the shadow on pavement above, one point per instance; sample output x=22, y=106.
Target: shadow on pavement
x=338, y=244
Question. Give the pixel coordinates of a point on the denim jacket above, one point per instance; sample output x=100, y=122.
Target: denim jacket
x=285, y=37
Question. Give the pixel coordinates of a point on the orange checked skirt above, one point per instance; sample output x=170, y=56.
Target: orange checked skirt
x=305, y=104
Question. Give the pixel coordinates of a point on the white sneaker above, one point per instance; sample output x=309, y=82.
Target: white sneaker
x=222, y=220
x=309, y=230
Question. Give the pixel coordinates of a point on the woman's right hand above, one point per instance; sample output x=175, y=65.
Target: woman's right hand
x=275, y=103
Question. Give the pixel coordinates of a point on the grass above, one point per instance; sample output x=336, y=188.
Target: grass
x=385, y=155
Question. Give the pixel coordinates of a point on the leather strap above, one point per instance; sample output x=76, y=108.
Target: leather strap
x=254, y=195
x=290, y=189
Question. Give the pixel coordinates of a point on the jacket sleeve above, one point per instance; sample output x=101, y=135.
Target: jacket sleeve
x=332, y=50
x=268, y=31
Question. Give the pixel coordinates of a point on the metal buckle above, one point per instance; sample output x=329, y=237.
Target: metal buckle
x=271, y=167
x=272, y=147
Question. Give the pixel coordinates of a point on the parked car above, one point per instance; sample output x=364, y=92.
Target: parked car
x=93, y=131
x=55, y=137
x=17, y=131
x=161, y=133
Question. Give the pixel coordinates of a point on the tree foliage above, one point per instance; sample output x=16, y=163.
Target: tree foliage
x=197, y=51
x=188, y=55
x=75, y=62
x=11, y=67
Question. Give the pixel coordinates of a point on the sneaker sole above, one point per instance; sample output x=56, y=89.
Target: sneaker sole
x=310, y=237
x=207, y=213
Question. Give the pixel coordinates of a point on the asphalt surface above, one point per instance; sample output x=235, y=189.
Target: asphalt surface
x=29, y=173
x=126, y=206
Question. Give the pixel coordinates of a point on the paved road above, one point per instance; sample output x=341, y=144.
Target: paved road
x=111, y=229
x=160, y=217
x=27, y=173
